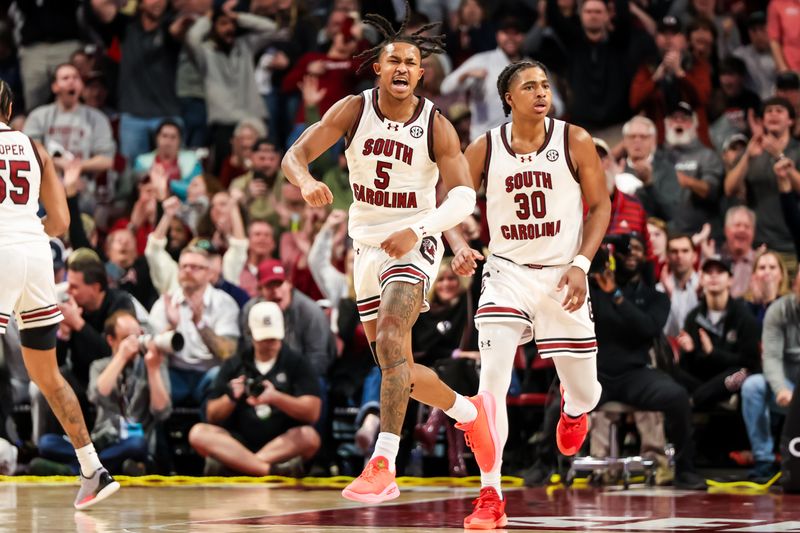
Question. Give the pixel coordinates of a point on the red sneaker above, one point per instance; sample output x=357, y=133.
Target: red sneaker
x=571, y=432
x=376, y=483
x=489, y=513
x=481, y=433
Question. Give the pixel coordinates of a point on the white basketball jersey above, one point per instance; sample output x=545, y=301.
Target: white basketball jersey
x=20, y=181
x=533, y=201
x=393, y=175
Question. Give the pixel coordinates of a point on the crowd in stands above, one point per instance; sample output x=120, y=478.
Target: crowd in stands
x=167, y=121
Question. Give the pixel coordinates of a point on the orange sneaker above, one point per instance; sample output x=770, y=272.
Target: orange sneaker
x=489, y=513
x=376, y=483
x=481, y=433
x=571, y=432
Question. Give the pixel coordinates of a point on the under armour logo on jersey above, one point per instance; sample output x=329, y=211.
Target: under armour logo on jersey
x=526, y=158
x=396, y=127
x=486, y=344
x=552, y=155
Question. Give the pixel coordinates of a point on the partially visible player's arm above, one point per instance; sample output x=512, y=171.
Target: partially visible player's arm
x=460, y=201
x=589, y=171
x=314, y=142
x=464, y=262
x=593, y=186
x=52, y=195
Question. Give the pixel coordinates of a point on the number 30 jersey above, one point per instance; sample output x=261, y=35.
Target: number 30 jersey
x=393, y=173
x=533, y=201
x=20, y=180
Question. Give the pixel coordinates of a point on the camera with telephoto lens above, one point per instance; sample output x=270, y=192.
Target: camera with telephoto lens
x=167, y=342
x=254, y=387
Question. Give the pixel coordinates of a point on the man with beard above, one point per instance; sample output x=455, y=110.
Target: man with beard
x=629, y=316
x=226, y=62
x=698, y=170
x=261, y=186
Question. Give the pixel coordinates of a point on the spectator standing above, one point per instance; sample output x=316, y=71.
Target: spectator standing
x=783, y=27
x=672, y=77
x=478, y=77
x=263, y=404
x=261, y=185
x=757, y=56
x=754, y=176
x=226, y=62
x=150, y=42
x=47, y=32
x=731, y=103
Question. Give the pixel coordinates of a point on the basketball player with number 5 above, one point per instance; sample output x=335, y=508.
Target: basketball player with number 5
x=536, y=171
x=397, y=144
x=27, y=175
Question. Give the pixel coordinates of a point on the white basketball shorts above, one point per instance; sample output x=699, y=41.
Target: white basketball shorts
x=512, y=292
x=374, y=269
x=27, y=286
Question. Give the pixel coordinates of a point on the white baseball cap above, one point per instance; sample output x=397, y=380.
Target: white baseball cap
x=266, y=321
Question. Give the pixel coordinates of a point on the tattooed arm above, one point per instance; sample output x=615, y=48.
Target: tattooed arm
x=221, y=346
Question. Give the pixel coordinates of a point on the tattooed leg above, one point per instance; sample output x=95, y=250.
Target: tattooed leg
x=399, y=309
x=43, y=370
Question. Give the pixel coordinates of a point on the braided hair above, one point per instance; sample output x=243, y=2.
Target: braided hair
x=508, y=75
x=6, y=99
x=427, y=45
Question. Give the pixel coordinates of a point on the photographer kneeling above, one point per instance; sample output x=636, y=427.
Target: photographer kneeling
x=131, y=392
x=262, y=405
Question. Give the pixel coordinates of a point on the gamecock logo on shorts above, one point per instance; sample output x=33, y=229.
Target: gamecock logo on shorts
x=428, y=249
x=416, y=131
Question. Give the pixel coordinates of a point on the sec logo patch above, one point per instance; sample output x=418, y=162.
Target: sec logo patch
x=552, y=155
x=416, y=131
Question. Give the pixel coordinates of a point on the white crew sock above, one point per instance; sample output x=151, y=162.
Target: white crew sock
x=492, y=479
x=387, y=446
x=463, y=410
x=88, y=459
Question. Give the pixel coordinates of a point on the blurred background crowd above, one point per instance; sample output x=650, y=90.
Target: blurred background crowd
x=167, y=121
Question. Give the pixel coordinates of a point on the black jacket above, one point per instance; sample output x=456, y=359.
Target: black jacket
x=626, y=331
x=736, y=341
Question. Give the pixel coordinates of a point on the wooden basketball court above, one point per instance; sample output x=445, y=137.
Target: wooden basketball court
x=39, y=508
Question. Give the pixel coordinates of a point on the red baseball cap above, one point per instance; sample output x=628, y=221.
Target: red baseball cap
x=271, y=270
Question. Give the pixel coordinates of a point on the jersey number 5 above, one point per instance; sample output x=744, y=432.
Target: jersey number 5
x=382, y=181
x=20, y=188
x=532, y=204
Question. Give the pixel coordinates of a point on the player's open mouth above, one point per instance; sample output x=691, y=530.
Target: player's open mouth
x=540, y=106
x=400, y=82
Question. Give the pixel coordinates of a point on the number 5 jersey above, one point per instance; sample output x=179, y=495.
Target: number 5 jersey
x=393, y=172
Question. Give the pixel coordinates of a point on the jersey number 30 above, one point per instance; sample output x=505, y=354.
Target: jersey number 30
x=530, y=204
x=20, y=188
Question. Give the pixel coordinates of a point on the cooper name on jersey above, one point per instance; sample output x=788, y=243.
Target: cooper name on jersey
x=391, y=149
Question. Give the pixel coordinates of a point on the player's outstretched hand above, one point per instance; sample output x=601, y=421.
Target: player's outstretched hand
x=399, y=243
x=575, y=281
x=316, y=193
x=465, y=261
